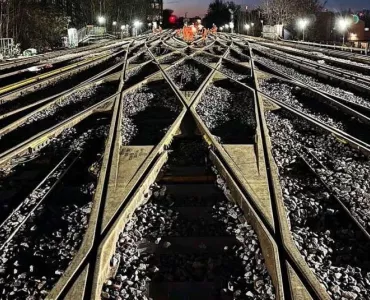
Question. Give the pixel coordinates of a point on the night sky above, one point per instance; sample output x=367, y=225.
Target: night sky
x=199, y=7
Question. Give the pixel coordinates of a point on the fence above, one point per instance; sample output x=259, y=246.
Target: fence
x=8, y=48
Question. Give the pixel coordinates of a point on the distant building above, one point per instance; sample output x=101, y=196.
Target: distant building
x=359, y=32
x=155, y=11
x=324, y=26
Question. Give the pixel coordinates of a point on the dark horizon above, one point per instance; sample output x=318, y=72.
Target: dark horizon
x=199, y=7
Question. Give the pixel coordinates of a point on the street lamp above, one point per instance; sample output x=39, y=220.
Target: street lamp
x=302, y=24
x=137, y=25
x=231, y=25
x=221, y=28
x=252, y=25
x=343, y=24
x=115, y=27
x=247, y=26
x=227, y=26
x=101, y=20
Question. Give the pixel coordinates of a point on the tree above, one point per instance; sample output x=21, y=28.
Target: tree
x=218, y=13
x=287, y=11
x=41, y=23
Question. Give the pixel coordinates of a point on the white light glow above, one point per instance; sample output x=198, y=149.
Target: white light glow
x=343, y=24
x=137, y=24
x=101, y=20
x=302, y=23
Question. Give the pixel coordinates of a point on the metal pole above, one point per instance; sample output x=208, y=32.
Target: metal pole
x=232, y=21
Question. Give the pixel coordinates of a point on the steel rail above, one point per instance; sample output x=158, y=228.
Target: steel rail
x=86, y=82
x=26, y=209
x=13, y=126
x=95, y=233
x=328, y=188
x=58, y=60
x=361, y=109
x=22, y=83
x=357, y=79
x=332, y=69
x=137, y=190
x=38, y=83
x=50, y=55
x=362, y=69
x=41, y=138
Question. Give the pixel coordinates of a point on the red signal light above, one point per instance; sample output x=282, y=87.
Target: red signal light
x=172, y=19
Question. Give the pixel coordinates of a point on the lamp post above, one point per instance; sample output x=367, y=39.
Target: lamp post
x=137, y=25
x=247, y=26
x=114, y=27
x=343, y=25
x=252, y=25
x=231, y=25
x=227, y=26
x=302, y=24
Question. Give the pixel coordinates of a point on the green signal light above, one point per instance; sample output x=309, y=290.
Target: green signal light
x=356, y=19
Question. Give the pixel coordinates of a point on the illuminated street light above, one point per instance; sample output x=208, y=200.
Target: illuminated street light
x=302, y=24
x=252, y=25
x=123, y=27
x=227, y=26
x=221, y=28
x=115, y=26
x=342, y=25
x=101, y=20
x=247, y=27
x=137, y=24
x=231, y=25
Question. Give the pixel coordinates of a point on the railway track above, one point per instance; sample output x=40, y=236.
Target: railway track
x=344, y=52
x=41, y=236
x=29, y=86
x=201, y=176
x=316, y=106
x=57, y=111
x=340, y=89
x=362, y=68
x=19, y=64
x=321, y=65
